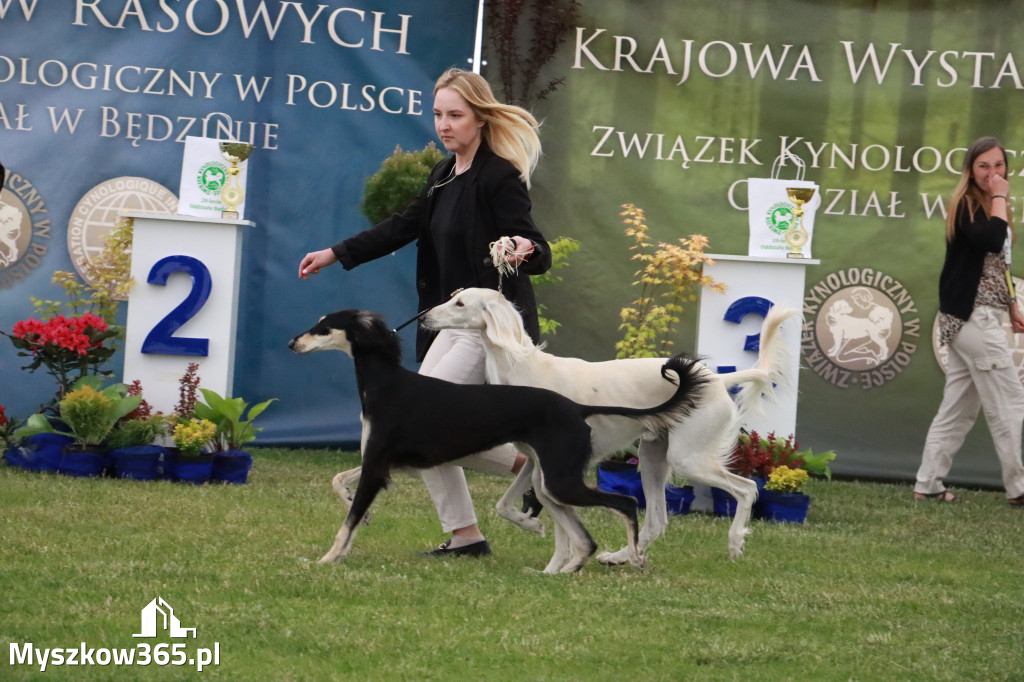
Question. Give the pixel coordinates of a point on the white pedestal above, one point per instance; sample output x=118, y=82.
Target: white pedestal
x=184, y=305
x=730, y=325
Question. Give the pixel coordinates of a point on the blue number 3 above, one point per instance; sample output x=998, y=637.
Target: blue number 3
x=161, y=339
x=748, y=305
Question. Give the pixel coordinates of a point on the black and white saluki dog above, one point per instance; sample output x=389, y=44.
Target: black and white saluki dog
x=413, y=421
x=696, y=448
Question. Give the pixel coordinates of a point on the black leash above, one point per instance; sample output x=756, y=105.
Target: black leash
x=419, y=315
x=410, y=321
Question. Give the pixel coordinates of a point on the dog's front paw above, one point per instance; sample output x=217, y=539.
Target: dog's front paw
x=613, y=558
x=532, y=525
x=332, y=557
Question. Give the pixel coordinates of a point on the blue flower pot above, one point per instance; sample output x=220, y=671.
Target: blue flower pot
x=723, y=504
x=84, y=461
x=622, y=478
x=189, y=469
x=758, y=511
x=231, y=466
x=785, y=507
x=678, y=500
x=43, y=451
x=139, y=462
x=18, y=456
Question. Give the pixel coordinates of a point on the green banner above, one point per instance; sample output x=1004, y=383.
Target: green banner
x=672, y=106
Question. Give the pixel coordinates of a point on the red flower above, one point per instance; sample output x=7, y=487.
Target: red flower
x=68, y=333
x=3, y=417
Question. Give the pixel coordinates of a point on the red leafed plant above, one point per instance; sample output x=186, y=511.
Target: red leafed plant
x=188, y=386
x=756, y=457
x=144, y=410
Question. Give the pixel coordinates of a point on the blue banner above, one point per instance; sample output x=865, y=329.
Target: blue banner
x=96, y=99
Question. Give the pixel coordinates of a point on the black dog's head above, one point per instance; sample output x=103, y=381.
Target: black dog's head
x=354, y=332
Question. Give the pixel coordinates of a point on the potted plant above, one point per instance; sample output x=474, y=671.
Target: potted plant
x=87, y=415
x=782, y=500
x=68, y=346
x=134, y=447
x=231, y=463
x=14, y=454
x=188, y=461
x=621, y=474
x=756, y=457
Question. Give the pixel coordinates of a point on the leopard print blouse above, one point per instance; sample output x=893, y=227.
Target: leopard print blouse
x=992, y=291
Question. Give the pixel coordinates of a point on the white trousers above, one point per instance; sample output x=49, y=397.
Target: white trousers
x=980, y=375
x=457, y=355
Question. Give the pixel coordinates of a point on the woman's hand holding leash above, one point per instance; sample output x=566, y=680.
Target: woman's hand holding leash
x=312, y=262
x=519, y=252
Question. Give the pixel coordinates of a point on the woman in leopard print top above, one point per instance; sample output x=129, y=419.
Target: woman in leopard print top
x=974, y=299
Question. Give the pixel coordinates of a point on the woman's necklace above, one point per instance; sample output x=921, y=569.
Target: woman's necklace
x=451, y=176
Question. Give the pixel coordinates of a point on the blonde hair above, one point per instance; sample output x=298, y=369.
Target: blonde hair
x=510, y=131
x=968, y=190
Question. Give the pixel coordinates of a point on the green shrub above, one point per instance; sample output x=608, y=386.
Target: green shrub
x=400, y=178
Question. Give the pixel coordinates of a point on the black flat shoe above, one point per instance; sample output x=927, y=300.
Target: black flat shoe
x=480, y=548
x=531, y=504
x=1016, y=502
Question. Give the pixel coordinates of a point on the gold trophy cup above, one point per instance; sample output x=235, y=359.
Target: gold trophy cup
x=232, y=193
x=796, y=235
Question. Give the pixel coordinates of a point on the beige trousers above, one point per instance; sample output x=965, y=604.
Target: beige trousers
x=980, y=375
x=457, y=355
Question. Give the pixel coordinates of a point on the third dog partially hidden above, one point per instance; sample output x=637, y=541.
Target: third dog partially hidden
x=415, y=421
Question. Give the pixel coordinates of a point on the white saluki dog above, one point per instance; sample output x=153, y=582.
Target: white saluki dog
x=697, y=447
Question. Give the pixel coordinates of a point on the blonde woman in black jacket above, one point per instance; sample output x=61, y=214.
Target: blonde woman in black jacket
x=471, y=199
x=975, y=296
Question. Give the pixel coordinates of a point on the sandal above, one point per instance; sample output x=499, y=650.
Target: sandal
x=1016, y=502
x=944, y=496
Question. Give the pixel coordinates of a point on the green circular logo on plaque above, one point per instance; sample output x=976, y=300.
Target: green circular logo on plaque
x=212, y=177
x=779, y=217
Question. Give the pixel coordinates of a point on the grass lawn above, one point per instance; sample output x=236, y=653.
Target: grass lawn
x=873, y=587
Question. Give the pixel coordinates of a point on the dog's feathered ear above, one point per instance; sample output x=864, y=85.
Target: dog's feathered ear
x=505, y=327
x=371, y=333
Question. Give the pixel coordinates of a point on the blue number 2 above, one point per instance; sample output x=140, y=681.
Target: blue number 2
x=161, y=339
x=736, y=312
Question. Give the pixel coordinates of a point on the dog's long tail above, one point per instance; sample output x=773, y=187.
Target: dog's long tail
x=691, y=377
x=760, y=382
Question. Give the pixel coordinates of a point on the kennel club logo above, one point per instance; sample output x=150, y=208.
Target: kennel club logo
x=211, y=177
x=779, y=217
x=24, y=229
x=861, y=327
x=97, y=212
